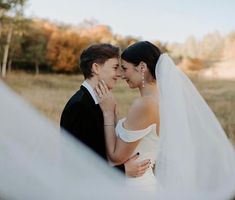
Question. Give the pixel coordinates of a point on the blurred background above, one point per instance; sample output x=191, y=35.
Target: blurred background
x=41, y=41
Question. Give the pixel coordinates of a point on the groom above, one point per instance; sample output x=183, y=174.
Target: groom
x=82, y=115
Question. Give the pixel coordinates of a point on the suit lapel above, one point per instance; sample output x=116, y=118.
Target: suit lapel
x=87, y=97
x=88, y=100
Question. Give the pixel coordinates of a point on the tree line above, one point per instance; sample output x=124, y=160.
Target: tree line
x=40, y=45
x=37, y=44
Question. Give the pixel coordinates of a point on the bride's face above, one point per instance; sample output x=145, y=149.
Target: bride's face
x=131, y=74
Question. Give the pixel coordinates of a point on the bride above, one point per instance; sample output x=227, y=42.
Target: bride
x=140, y=129
x=170, y=123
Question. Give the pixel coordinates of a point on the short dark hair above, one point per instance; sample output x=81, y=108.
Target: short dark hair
x=142, y=51
x=96, y=53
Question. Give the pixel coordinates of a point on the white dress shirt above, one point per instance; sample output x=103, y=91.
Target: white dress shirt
x=90, y=90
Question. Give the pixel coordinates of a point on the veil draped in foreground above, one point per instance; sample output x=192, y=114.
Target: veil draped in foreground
x=38, y=161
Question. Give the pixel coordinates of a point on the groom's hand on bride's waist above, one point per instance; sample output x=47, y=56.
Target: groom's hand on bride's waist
x=135, y=168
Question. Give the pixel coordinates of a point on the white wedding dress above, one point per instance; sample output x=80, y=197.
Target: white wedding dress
x=148, y=148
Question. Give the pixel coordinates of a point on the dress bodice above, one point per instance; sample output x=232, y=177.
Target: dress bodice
x=148, y=148
x=149, y=140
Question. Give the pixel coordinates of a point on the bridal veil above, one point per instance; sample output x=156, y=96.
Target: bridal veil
x=195, y=153
x=39, y=162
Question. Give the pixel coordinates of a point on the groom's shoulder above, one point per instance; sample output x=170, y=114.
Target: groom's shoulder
x=78, y=95
x=76, y=100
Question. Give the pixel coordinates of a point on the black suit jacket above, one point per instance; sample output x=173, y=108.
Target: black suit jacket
x=84, y=120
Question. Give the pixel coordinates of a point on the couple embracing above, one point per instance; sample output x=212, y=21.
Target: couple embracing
x=170, y=138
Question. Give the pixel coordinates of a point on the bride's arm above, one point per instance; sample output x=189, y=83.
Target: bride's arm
x=118, y=150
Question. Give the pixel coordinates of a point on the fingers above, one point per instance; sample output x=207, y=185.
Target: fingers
x=144, y=163
x=98, y=92
x=135, y=168
x=103, y=87
x=140, y=173
x=144, y=166
x=134, y=157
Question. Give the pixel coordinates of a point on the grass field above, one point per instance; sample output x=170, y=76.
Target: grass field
x=49, y=93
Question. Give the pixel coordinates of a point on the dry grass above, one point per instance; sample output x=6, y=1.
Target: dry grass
x=49, y=93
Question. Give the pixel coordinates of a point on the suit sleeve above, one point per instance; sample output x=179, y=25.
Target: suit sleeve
x=73, y=120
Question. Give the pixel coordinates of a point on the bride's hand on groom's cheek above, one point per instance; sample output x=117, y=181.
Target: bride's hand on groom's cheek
x=103, y=87
x=102, y=90
x=105, y=98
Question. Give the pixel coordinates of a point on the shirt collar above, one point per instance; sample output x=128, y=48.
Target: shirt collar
x=90, y=90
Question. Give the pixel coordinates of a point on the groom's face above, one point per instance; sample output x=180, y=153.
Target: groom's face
x=110, y=72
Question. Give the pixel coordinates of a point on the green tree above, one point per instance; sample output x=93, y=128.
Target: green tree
x=4, y=7
x=15, y=8
x=34, y=47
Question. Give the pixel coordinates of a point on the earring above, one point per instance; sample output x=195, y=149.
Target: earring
x=142, y=78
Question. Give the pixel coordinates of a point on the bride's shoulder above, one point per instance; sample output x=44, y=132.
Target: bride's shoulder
x=136, y=105
x=141, y=113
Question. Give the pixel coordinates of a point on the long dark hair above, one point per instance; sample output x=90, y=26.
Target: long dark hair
x=142, y=51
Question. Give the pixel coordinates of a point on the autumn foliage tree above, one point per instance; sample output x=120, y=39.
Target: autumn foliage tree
x=64, y=46
x=37, y=43
x=64, y=49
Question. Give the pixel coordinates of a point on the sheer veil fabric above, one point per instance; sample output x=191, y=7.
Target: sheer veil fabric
x=195, y=153
x=38, y=161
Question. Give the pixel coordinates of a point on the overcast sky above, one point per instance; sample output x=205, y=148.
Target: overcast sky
x=164, y=20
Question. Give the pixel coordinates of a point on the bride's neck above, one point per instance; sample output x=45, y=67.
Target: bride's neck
x=148, y=89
